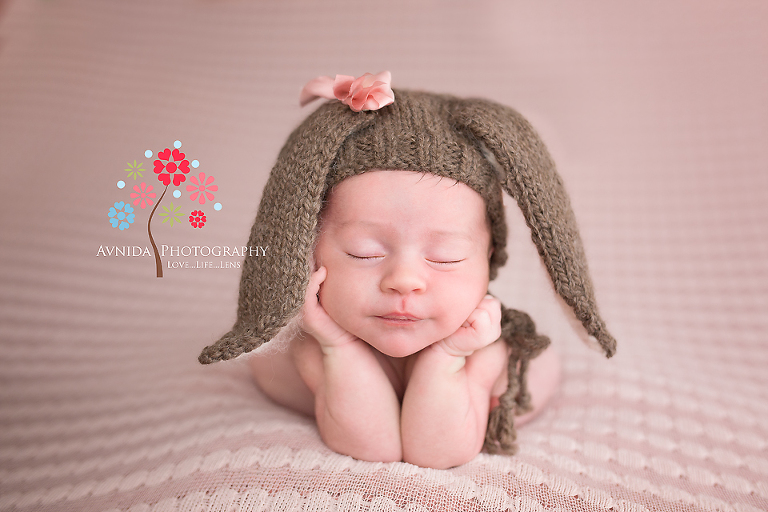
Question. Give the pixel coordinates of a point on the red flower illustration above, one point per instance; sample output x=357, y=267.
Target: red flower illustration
x=197, y=219
x=170, y=162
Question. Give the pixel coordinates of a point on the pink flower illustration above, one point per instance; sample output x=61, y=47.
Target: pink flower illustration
x=168, y=163
x=202, y=189
x=143, y=196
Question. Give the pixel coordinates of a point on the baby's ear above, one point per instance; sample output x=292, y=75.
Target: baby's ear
x=529, y=176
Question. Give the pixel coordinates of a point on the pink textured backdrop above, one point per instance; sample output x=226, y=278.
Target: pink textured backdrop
x=656, y=113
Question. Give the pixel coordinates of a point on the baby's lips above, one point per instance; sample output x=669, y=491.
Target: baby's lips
x=400, y=317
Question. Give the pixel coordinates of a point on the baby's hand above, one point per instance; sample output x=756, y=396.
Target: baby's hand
x=316, y=321
x=482, y=328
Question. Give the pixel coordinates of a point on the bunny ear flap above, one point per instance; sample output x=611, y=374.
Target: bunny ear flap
x=274, y=280
x=529, y=176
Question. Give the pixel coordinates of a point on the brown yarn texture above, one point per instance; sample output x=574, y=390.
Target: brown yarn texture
x=442, y=135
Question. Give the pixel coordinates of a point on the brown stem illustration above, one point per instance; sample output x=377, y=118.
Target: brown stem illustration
x=158, y=263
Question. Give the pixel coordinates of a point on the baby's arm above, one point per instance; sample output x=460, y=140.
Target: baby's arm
x=446, y=403
x=356, y=408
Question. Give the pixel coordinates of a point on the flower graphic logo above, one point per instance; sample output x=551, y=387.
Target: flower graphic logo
x=143, y=196
x=202, y=188
x=168, y=163
x=197, y=219
x=121, y=215
x=171, y=167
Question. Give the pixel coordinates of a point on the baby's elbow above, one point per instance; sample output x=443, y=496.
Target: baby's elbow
x=454, y=449
x=391, y=455
x=441, y=459
x=384, y=452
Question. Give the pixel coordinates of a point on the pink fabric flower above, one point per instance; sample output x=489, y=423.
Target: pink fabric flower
x=202, y=189
x=142, y=195
x=368, y=92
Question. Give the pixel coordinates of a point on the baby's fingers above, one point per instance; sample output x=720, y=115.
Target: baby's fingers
x=312, y=310
x=485, y=320
x=315, y=280
x=315, y=320
x=482, y=327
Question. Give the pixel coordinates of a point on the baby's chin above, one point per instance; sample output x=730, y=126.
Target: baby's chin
x=398, y=341
x=399, y=347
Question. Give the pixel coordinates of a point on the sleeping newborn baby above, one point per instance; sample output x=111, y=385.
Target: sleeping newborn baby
x=400, y=349
x=385, y=223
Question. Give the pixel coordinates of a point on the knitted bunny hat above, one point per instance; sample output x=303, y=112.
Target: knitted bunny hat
x=443, y=135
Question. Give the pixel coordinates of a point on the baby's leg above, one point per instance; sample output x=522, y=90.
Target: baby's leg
x=543, y=382
x=278, y=378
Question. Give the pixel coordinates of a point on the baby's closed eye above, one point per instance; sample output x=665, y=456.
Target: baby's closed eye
x=365, y=256
x=364, y=249
x=445, y=261
x=446, y=256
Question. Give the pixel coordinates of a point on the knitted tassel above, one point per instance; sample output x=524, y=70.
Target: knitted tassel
x=500, y=434
x=519, y=332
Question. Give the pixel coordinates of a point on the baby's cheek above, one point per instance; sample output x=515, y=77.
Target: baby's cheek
x=329, y=294
x=339, y=299
x=464, y=306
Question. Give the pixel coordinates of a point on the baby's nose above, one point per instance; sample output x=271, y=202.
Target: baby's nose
x=404, y=278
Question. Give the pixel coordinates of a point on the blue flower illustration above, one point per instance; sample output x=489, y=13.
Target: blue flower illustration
x=121, y=215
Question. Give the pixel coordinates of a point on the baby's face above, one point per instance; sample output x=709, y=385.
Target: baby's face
x=407, y=256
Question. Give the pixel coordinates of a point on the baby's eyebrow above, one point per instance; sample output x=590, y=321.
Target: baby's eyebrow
x=437, y=235
x=354, y=224
x=452, y=234
x=357, y=222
